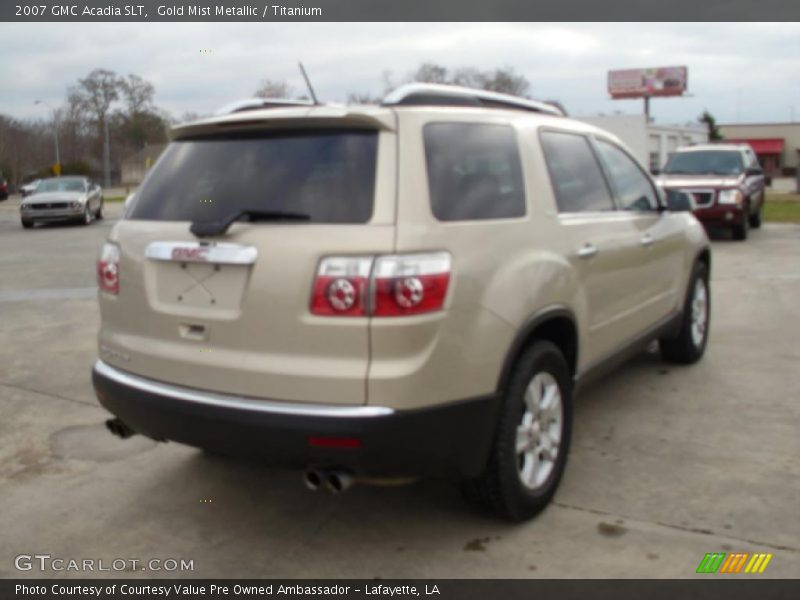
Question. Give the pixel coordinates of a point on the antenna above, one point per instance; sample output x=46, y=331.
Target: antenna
x=308, y=84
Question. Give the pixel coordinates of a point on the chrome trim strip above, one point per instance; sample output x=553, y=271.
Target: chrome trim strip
x=237, y=402
x=217, y=253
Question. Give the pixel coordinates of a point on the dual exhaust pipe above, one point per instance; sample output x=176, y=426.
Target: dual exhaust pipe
x=335, y=481
x=119, y=429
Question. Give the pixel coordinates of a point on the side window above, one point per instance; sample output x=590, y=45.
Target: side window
x=633, y=187
x=474, y=171
x=578, y=183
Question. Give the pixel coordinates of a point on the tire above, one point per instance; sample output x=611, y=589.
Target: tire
x=27, y=224
x=87, y=215
x=690, y=343
x=740, y=231
x=500, y=488
x=755, y=219
x=99, y=214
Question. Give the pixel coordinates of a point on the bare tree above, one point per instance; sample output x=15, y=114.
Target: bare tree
x=273, y=89
x=504, y=80
x=431, y=73
x=98, y=91
x=140, y=123
x=137, y=93
x=359, y=98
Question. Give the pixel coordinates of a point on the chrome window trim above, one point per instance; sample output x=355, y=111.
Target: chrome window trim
x=216, y=253
x=233, y=402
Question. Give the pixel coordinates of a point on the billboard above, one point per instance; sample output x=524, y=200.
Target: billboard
x=642, y=83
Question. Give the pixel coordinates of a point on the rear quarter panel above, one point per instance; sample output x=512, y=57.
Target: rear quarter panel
x=504, y=271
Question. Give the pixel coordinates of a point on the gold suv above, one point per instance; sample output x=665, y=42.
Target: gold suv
x=410, y=289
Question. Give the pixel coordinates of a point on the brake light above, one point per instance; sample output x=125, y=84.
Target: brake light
x=341, y=287
x=397, y=285
x=410, y=284
x=108, y=269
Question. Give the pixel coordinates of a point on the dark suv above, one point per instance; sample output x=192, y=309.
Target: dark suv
x=725, y=182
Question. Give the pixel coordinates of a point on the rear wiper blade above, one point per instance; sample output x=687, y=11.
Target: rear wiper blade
x=211, y=228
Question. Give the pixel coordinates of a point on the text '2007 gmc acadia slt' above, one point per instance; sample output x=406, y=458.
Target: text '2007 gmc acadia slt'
x=411, y=289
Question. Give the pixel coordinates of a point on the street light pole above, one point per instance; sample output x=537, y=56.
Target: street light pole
x=55, y=132
x=106, y=155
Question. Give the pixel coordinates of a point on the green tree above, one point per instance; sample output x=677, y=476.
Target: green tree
x=710, y=122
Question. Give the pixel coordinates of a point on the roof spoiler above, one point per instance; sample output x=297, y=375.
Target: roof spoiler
x=431, y=94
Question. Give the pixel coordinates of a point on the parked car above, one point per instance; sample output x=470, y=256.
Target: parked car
x=725, y=180
x=29, y=188
x=414, y=289
x=63, y=199
x=3, y=189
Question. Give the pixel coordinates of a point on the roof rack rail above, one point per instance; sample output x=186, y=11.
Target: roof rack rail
x=261, y=103
x=433, y=94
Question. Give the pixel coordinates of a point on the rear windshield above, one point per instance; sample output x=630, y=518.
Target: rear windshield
x=328, y=175
x=705, y=162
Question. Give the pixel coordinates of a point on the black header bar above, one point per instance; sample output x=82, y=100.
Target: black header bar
x=398, y=10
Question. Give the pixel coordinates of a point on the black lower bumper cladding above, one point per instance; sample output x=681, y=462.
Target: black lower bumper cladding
x=450, y=440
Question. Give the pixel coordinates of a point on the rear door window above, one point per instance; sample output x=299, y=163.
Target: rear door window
x=474, y=171
x=578, y=182
x=328, y=175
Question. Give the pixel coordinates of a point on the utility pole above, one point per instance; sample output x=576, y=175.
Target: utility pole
x=106, y=154
x=55, y=131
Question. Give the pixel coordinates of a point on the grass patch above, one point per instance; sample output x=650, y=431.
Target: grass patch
x=773, y=197
x=114, y=199
x=782, y=208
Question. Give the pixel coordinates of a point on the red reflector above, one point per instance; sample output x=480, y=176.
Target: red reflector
x=329, y=442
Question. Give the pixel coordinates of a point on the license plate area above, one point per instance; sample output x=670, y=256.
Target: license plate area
x=196, y=279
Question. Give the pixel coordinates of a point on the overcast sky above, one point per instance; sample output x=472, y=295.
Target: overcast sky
x=741, y=72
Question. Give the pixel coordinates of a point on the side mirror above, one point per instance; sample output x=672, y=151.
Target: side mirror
x=754, y=171
x=678, y=201
x=655, y=171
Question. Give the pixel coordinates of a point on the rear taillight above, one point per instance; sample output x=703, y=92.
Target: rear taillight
x=397, y=285
x=410, y=284
x=108, y=269
x=341, y=286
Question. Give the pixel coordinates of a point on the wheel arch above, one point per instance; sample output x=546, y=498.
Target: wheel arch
x=704, y=256
x=555, y=324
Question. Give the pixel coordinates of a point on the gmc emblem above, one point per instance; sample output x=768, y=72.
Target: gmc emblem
x=189, y=254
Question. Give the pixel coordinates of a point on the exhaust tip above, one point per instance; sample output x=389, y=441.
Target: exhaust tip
x=339, y=481
x=119, y=429
x=313, y=479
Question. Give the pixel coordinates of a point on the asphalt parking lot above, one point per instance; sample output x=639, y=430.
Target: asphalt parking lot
x=667, y=463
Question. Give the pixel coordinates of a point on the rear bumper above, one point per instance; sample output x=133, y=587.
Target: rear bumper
x=451, y=440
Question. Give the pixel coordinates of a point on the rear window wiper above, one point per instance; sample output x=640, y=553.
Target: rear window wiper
x=211, y=228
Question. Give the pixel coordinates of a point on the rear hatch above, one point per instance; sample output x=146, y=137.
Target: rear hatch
x=228, y=309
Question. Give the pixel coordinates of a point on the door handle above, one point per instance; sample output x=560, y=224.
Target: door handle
x=587, y=251
x=647, y=239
